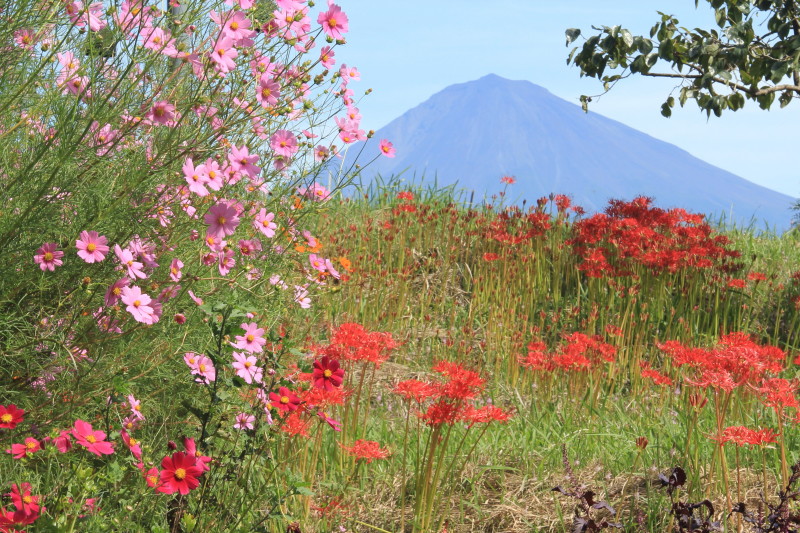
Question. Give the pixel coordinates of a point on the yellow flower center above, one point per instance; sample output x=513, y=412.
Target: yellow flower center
x=48, y=256
x=117, y=291
x=30, y=445
x=221, y=51
x=202, y=367
x=91, y=247
x=152, y=479
x=327, y=373
x=332, y=22
x=234, y=26
x=250, y=338
x=27, y=498
x=180, y=473
x=284, y=399
x=5, y=418
x=248, y=364
x=91, y=439
x=137, y=303
x=221, y=221
x=212, y=174
x=133, y=442
x=159, y=111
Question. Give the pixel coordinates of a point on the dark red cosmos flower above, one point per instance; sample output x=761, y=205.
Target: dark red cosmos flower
x=10, y=416
x=284, y=400
x=179, y=473
x=327, y=374
x=23, y=499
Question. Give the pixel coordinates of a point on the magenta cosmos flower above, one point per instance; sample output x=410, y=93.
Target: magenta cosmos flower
x=94, y=441
x=222, y=220
x=284, y=400
x=92, y=247
x=47, y=257
x=242, y=161
x=253, y=339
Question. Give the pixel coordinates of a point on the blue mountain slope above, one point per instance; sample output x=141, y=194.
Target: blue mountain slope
x=476, y=132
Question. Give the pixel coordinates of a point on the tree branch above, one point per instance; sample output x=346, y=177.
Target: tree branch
x=733, y=85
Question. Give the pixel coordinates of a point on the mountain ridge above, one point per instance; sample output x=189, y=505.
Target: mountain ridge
x=475, y=132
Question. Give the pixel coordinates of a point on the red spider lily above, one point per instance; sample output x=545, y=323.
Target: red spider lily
x=327, y=374
x=635, y=234
x=352, y=342
x=441, y=412
x=461, y=384
x=10, y=416
x=657, y=377
x=779, y=393
x=295, y=424
x=413, y=389
x=742, y=436
x=366, y=450
x=485, y=415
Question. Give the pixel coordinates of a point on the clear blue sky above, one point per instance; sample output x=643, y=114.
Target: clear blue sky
x=408, y=50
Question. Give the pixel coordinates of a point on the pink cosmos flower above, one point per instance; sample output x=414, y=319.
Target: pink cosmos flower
x=92, y=247
x=317, y=263
x=283, y=143
x=249, y=247
x=175, y=273
x=244, y=421
x=253, y=339
x=214, y=174
x=315, y=192
x=132, y=444
x=226, y=261
x=334, y=22
x=205, y=370
x=94, y=441
x=115, y=291
x=159, y=40
x=224, y=54
x=326, y=57
x=192, y=360
x=191, y=449
x=321, y=153
x=301, y=297
x=162, y=113
x=246, y=368
x=136, y=407
x=263, y=222
x=268, y=92
x=195, y=177
x=126, y=259
x=387, y=148
x=222, y=219
x=241, y=161
x=47, y=257
x=139, y=305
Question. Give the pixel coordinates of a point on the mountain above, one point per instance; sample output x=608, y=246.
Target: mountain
x=474, y=133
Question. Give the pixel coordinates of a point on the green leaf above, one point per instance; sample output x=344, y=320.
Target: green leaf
x=572, y=34
x=627, y=38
